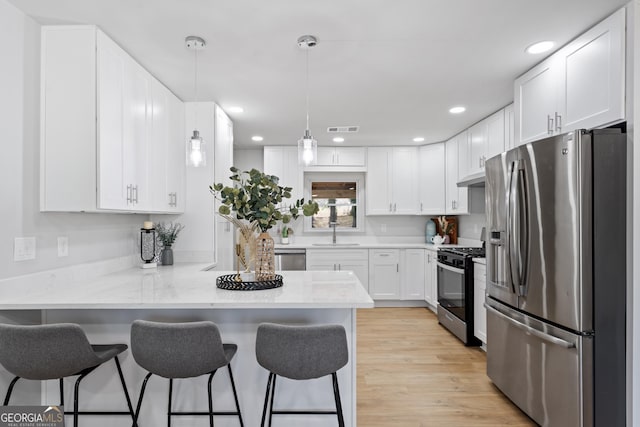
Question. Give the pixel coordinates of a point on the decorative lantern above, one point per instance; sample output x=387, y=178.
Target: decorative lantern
x=148, y=245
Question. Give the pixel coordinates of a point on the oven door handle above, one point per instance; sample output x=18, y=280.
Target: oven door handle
x=454, y=269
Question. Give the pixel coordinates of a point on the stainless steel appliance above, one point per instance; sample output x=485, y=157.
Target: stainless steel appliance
x=455, y=291
x=556, y=266
x=288, y=259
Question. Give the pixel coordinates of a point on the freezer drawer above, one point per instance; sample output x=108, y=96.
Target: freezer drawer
x=544, y=370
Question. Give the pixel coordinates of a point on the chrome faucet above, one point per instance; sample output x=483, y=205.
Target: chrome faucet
x=333, y=224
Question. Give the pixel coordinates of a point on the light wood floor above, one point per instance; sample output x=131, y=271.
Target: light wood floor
x=412, y=372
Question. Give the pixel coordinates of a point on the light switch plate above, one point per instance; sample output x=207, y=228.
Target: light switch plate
x=63, y=246
x=24, y=248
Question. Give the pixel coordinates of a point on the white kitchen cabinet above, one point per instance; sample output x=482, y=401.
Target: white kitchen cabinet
x=340, y=156
x=283, y=162
x=96, y=125
x=166, y=147
x=457, y=198
x=431, y=179
x=176, y=158
x=223, y=160
x=356, y=260
x=384, y=274
x=485, y=139
x=391, y=181
x=397, y=274
x=509, y=130
x=479, y=312
x=431, y=278
x=412, y=274
x=580, y=86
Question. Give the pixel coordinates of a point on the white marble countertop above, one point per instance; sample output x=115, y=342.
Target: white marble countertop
x=186, y=286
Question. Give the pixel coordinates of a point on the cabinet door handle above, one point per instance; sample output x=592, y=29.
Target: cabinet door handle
x=421, y=209
x=397, y=268
x=135, y=200
x=384, y=254
x=128, y=194
x=390, y=207
x=395, y=208
x=549, y=125
x=558, y=122
x=175, y=200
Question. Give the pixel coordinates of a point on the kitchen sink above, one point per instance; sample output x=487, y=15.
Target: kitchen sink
x=335, y=244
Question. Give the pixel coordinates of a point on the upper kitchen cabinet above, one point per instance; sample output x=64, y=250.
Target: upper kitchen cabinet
x=485, y=139
x=431, y=179
x=391, y=185
x=167, y=150
x=340, y=156
x=457, y=198
x=98, y=130
x=283, y=163
x=580, y=86
x=509, y=128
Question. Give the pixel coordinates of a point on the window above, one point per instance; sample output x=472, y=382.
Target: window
x=339, y=198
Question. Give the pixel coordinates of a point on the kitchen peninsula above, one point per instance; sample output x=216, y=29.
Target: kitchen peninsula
x=106, y=306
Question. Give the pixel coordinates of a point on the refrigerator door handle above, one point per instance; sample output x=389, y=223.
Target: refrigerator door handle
x=543, y=336
x=518, y=228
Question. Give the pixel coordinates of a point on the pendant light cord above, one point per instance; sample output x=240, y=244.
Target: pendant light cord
x=307, y=89
x=195, y=86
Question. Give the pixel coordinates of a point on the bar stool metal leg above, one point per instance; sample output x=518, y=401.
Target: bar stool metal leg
x=210, y=398
x=266, y=399
x=126, y=391
x=169, y=409
x=8, y=396
x=235, y=395
x=336, y=395
x=273, y=394
x=144, y=386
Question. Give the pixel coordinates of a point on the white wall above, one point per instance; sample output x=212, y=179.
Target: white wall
x=92, y=237
x=247, y=159
x=470, y=226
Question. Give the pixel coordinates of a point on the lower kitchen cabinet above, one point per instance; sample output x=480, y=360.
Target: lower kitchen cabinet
x=412, y=274
x=431, y=278
x=356, y=260
x=479, y=312
x=396, y=274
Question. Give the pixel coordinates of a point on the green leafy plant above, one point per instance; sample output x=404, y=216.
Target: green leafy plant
x=286, y=231
x=168, y=232
x=256, y=196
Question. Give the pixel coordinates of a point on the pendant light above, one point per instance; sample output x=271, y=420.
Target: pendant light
x=196, y=152
x=307, y=145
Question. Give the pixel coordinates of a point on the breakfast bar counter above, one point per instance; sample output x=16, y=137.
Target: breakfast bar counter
x=105, y=307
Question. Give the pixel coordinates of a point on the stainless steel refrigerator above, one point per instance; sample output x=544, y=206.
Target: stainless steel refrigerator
x=556, y=277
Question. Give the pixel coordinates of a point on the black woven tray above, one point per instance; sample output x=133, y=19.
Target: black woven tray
x=229, y=283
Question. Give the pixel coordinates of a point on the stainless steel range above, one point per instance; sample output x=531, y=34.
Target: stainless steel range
x=455, y=291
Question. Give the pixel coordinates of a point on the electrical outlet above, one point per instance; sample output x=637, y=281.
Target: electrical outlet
x=24, y=248
x=63, y=246
x=383, y=228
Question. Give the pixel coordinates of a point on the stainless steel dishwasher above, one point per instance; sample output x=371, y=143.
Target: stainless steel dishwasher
x=291, y=259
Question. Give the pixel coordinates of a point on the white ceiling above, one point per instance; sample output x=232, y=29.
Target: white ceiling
x=392, y=67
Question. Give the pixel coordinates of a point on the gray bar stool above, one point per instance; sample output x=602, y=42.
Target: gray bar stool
x=56, y=351
x=182, y=350
x=301, y=353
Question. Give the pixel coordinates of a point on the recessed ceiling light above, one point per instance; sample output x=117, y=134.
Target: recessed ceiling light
x=338, y=139
x=418, y=139
x=539, y=47
x=257, y=138
x=236, y=110
x=457, y=110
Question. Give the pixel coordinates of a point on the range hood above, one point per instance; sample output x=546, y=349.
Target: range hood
x=474, y=180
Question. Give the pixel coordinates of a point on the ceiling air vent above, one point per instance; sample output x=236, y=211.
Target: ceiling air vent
x=343, y=129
